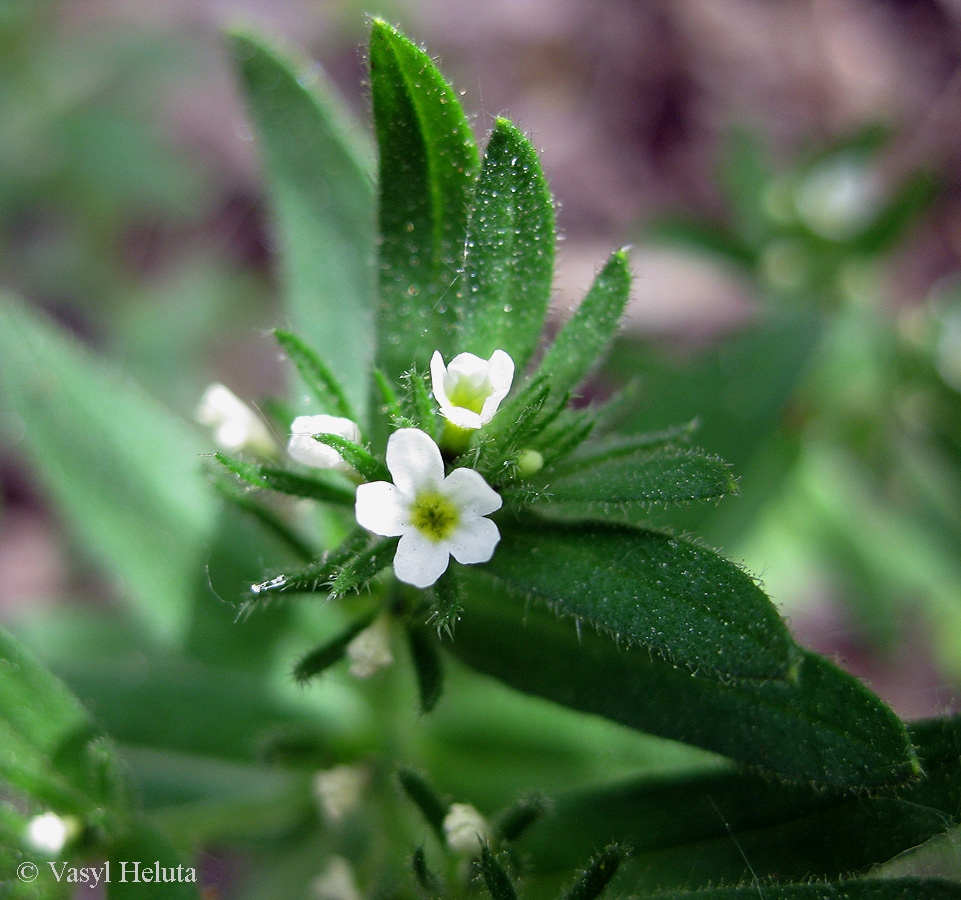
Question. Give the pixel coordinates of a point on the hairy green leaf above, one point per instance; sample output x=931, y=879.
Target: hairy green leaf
x=629, y=476
x=428, y=162
x=510, y=251
x=585, y=335
x=427, y=666
x=123, y=470
x=495, y=876
x=319, y=379
x=426, y=799
x=360, y=458
x=822, y=726
x=641, y=587
x=284, y=482
x=323, y=204
x=601, y=869
x=322, y=658
x=723, y=827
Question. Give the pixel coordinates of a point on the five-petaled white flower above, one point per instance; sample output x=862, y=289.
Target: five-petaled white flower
x=470, y=389
x=236, y=426
x=435, y=517
x=310, y=452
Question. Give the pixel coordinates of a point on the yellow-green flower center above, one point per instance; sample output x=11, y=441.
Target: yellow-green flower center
x=470, y=395
x=434, y=516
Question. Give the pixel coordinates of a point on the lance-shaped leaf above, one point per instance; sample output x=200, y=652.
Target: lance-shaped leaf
x=284, y=482
x=822, y=726
x=642, y=587
x=585, y=335
x=323, y=657
x=725, y=827
x=122, y=469
x=510, y=251
x=428, y=162
x=52, y=754
x=318, y=378
x=321, y=192
x=631, y=477
x=869, y=889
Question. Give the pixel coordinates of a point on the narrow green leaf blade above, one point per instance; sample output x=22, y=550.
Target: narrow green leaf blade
x=725, y=827
x=316, y=375
x=322, y=658
x=510, y=251
x=426, y=799
x=823, y=726
x=427, y=666
x=641, y=587
x=52, y=753
x=284, y=482
x=428, y=162
x=495, y=876
x=585, y=335
x=632, y=478
x=123, y=470
x=323, y=205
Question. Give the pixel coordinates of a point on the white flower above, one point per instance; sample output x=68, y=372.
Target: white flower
x=306, y=450
x=436, y=517
x=470, y=389
x=48, y=833
x=465, y=828
x=339, y=790
x=236, y=426
x=370, y=650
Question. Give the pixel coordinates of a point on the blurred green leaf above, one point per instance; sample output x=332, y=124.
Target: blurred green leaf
x=324, y=489
x=427, y=667
x=323, y=657
x=51, y=750
x=134, y=863
x=509, y=265
x=875, y=889
x=726, y=827
x=823, y=726
x=585, y=335
x=631, y=474
x=644, y=588
x=495, y=876
x=428, y=162
x=423, y=795
x=123, y=470
x=320, y=187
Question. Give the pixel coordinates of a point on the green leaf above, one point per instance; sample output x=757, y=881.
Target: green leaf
x=318, y=661
x=510, y=251
x=319, y=379
x=495, y=876
x=641, y=587
x=631, y=475
x=124, y=472
x=285, y=482
x=362, y=460
x=427, y=666
x=428, y=162
x=51, y=752
x=822, y=726
x=874, y=889
x=599, y=872
x=426, y=799
x=323, y=205
x=358, y=572
x=585, y=335
x=727, y=827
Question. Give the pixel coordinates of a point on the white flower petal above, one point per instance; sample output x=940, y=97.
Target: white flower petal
x=414, y=461
x=419, y=561
x=380, y=507
x=438, y=377
x=469, y=367
x=463, y=417
x=474, y=541
x=470, y=493
x=309, y=452
x=500, y=375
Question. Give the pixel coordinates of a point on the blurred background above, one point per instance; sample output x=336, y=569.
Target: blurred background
x=786, y=174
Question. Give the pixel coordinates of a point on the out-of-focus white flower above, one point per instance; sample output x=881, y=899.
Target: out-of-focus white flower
x=370, y=650
x=465, y=828
x=838, y=198
x=470, y=389
x=236, y=426
x=436, y=517
x=49, y=833
x=303, y=448
x=339, y=790
x=336, y=882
